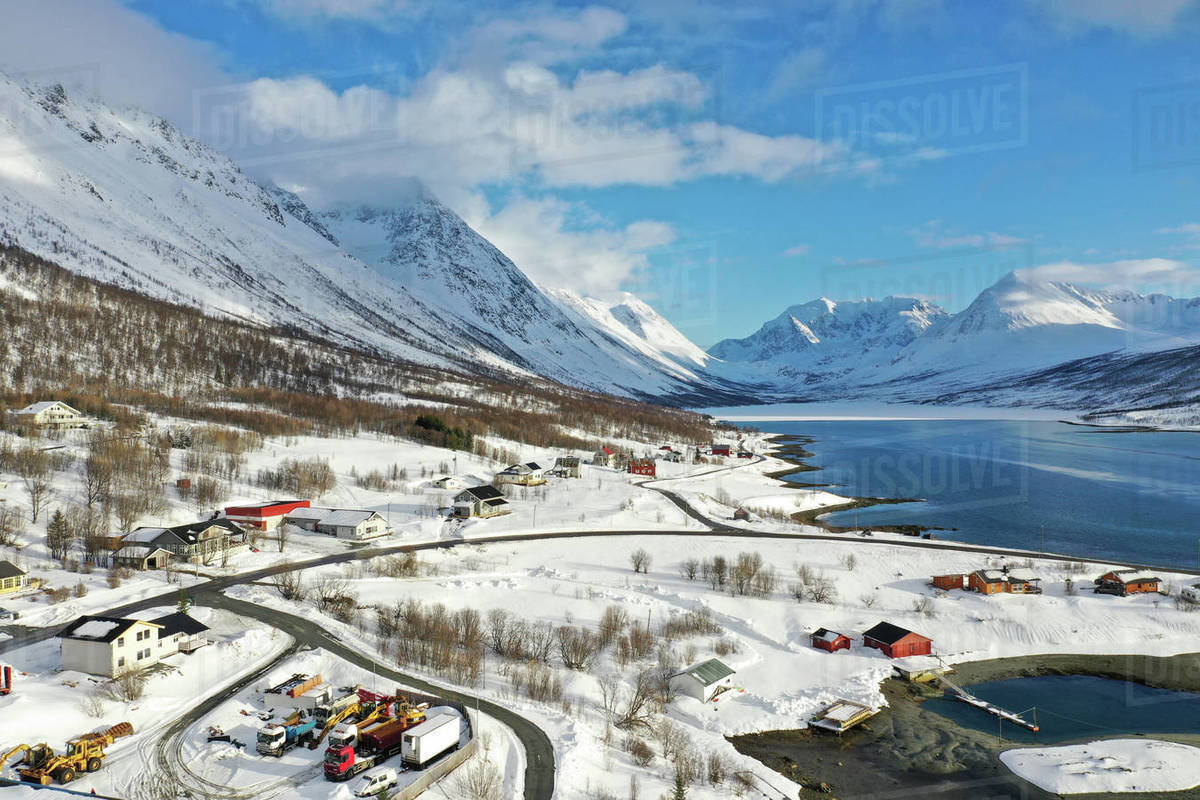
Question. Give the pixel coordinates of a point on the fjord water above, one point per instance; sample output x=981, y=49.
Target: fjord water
x=1073, y=707
x=1124, y=496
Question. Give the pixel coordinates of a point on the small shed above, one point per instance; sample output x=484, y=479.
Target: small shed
x=721, y=449
x=829, y=641
x=896, y=642
x=741, y=515
x=704, y=680
x=947, y=582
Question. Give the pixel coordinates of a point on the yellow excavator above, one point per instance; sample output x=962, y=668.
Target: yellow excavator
x=84, y=753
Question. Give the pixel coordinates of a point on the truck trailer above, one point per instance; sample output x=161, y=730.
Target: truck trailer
x=425, y=742
x=275, y=740
x=352, y=750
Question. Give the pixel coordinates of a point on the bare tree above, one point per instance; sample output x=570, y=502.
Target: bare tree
x=577, y=647
x=634, y=711
x=11, y=521
x=477, y=780
x=33, y=466
x=688, y=568
x=640, y=560
x=206, y=492
x=290, y=584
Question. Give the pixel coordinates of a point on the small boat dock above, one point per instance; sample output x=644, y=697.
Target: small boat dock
x=970, y=699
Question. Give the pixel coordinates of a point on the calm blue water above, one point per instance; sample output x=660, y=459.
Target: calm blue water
x=1109, y=495
x=1074, y=707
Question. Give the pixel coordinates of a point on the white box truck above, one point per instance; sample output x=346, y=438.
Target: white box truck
x=425, y=742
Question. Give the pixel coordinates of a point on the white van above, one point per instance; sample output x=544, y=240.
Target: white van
x=375, y=781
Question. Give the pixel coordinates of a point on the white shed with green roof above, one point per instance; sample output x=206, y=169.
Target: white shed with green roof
x=704, y=680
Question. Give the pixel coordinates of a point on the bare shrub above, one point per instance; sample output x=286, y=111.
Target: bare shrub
x=126, y=687
x=641, y=752
x=688, y=568
x=640, y=560
x=923, y=606
x=869, y=600
x=613, y=622
x=849, y=562
x=290, y=584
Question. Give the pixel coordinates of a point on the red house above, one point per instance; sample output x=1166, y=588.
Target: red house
x=829, y=641
x=264, y=516
x=643, y=466
x=720, y=449
x=896, y=642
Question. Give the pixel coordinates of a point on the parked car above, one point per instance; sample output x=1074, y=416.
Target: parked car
x=375, y=781
x=8, y=616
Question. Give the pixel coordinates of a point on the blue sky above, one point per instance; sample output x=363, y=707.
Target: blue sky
x=723, y=165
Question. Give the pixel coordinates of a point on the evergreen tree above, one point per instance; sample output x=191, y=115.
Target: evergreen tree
x=58, y=535
x=680, y=792
x=185, y=603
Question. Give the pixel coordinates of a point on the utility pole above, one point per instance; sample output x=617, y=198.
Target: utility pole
x=1043, y=538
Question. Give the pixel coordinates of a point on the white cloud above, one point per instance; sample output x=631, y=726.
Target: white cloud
x=797, y=250
x=338, y=9
x=1187, y=229
x=559, y=244
x=934, y=233
x=102, y=48
x=1160, y=273
x=1137, y=17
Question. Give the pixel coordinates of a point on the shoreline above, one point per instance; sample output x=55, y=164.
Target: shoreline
x=791, y=447
x=906, y=748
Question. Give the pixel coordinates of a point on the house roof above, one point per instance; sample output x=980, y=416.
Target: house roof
x=887, y=633
x=531, y=465
x=142, y=535
x=484, y=492
x=309, y=513
x=991, y=575
x=826, y=635
x=345, y=516
x=1022, y=575
x=139, y=551
x=99, y=629
x=708, y=672
x=1132, y=575
x=43, y=405
x=608, y=451
x=251, y=508
x=179, y=623
x=10, y=570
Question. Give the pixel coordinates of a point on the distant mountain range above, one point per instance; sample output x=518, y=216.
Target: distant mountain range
x=125, y=198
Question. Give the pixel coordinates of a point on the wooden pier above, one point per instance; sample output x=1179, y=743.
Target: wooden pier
x=970, y=699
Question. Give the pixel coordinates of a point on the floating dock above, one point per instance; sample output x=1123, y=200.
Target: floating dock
x=843, y=715
x=995, y=710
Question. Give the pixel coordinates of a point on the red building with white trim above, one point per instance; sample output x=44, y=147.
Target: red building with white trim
x=896, y=642
x=264, y=516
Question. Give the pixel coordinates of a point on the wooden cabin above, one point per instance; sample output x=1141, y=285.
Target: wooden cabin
x=829, y=641
x=896, y=642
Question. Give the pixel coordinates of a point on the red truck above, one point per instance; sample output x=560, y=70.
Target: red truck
x=351, y=751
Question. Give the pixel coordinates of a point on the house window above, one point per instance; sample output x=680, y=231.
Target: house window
x=121, y=642
x=121, y=661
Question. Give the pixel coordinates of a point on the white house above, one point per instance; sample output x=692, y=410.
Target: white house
x=344, y=523
x=109, y=646
x=528, y=474
x=567, y=467
x=702, y=681
x=448, y=482
x=50, y=414
x=180, y=634
x=605, y=457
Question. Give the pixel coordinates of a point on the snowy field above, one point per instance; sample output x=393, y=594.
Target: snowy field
x=1113, y=765
x=781, y=681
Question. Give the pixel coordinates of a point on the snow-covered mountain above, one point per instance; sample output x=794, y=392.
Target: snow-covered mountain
x=123, y=197
x=1011, y=339
x=823, y=340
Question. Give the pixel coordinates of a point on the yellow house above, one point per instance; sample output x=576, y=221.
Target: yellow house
x=12, y=578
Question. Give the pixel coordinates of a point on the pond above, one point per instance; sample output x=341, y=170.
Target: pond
x=1074, y=707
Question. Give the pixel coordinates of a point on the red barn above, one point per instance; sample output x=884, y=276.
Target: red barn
x=264, y=516
x=829, y=641
x=643, y=466
x=896, y=642
x=957, y=581
x=720, y=449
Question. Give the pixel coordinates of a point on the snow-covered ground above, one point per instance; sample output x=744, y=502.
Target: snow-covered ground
x=1111, y=765
x=781, y=680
